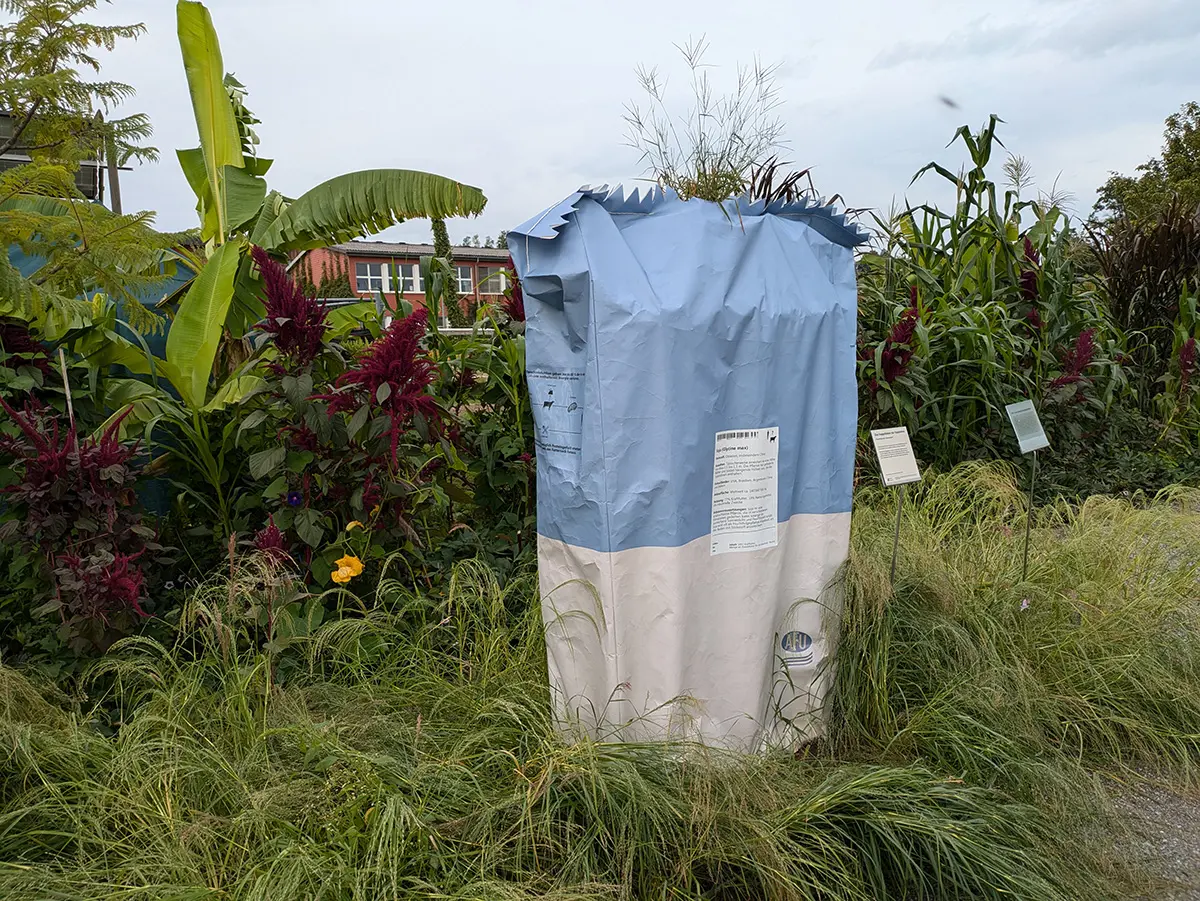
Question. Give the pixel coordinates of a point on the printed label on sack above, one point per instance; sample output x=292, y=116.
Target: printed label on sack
x=557, y=397
x=745, y=498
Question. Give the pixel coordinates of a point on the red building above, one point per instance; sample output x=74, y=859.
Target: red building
x=379, y=267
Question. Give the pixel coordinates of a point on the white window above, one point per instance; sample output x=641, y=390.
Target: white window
x=492, y=280
x=466, y=280
x=370, y=277
x=410, y=278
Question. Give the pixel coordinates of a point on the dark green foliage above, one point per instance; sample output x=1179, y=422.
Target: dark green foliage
x=1127, y=454
x=482, y=381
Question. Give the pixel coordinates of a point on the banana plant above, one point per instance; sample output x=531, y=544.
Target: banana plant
x=238, y=211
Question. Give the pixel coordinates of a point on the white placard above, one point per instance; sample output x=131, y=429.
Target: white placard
x=1025, y=422
x=745, y=498
x=897, y=462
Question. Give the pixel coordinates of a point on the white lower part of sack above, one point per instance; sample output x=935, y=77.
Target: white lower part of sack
x=676, y=643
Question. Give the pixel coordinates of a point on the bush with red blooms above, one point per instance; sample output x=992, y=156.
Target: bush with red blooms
x=1187, y=364
x=1178, y=406
x=1076, y=360
x=392, y=377
x=75, y=520
x=339, y=439
x=883, y=366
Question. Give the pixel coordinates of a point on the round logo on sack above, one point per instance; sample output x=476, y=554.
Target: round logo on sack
x=797, y=647
x=796, y=642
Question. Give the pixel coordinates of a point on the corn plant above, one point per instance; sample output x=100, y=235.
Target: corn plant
x=964, y=311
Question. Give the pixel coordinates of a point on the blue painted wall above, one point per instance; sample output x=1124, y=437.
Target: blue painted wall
x=27, y=265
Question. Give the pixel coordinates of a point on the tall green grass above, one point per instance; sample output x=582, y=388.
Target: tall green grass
x=408, y=751
x=1093, y=660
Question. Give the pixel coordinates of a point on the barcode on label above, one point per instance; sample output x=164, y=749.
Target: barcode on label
x=734, y=436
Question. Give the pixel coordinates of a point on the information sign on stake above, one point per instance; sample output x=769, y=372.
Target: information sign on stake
x=898, y=465
x=1032, y=438
x=1025, y=422
x=896, y=459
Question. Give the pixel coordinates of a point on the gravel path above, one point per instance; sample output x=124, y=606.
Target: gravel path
x=1166, y=827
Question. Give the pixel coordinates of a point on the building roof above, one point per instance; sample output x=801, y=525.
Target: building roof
x=387, y=249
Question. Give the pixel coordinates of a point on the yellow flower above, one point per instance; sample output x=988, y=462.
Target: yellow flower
x=352, y=525
x=351, y=563
x=342, y=575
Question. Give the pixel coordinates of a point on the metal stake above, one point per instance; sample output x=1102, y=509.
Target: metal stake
x=1029, y=518
x=896, y=537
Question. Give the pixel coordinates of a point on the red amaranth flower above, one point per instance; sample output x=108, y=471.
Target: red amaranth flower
x=1187, y=363
x=514, y=301
x=270, y=542
x=300, y=437
x=57, y=464
x=372, y=493
x=1077, y=359
x=1035, y=318
x=1029, y=285
x=430, y=468
x=103, y=588
x=1031, y=253
x=897, y=352
x=296, y=322
x=392, y=375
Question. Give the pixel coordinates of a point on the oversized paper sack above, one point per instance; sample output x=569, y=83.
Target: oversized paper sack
x=692, y=374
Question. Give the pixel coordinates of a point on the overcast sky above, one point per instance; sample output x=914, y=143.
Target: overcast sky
x=524, y=99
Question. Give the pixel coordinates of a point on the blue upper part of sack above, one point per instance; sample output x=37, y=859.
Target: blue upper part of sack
x=652, y=324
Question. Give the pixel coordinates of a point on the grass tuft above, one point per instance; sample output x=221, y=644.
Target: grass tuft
x=408, y=751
